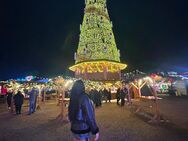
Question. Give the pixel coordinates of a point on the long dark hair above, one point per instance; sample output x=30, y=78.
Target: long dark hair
x=77, y=91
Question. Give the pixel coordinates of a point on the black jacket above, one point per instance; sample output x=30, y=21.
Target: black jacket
x=84, y=122
x=18, y=99
x=123, y=93
x=118, y=93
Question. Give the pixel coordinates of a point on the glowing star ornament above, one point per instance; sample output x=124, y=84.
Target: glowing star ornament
x=97, y=57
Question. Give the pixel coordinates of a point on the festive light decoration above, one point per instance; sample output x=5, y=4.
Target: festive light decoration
x=97, y=51
x=29, y=78
x=98, y=66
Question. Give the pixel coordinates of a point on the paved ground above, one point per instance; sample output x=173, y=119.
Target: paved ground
x=115, y=123
x=176, y=110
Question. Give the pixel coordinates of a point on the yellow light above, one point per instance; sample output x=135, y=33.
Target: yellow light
x=68, y=83
x=148, y=79
x=140, y=82
x=95, y=66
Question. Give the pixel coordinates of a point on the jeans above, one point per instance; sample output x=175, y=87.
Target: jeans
x=31, y=106
x=85, y=136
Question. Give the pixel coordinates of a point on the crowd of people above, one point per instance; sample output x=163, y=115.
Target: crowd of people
x=15, y=99
x=105, y=95
x=81, y=106
x=15, y=95
x=97, y=96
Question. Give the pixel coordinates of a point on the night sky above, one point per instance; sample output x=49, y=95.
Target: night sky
x=40, y=37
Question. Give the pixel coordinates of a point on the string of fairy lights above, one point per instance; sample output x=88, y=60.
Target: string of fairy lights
x=96, y=38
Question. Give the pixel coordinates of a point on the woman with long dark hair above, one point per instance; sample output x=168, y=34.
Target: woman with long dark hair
x=81, y=114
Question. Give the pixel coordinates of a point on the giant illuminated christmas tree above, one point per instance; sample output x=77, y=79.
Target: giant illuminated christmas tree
x=97, y=56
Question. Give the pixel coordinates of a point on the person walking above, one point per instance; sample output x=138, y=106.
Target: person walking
x=9, y=98
x=32, y=100
x=109, y=95
x=100, y=97
x=18, y=101
x=105, y=94
x=128, y=87
x=36, y=94
x=118, y=95
x=123, y=93
x=81, y=114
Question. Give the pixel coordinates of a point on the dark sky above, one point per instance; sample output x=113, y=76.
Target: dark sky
x=40, y=37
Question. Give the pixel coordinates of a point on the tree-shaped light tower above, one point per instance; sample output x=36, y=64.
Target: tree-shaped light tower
x=97, y=56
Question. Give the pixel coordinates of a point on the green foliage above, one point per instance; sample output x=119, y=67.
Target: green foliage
x=97, y=40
